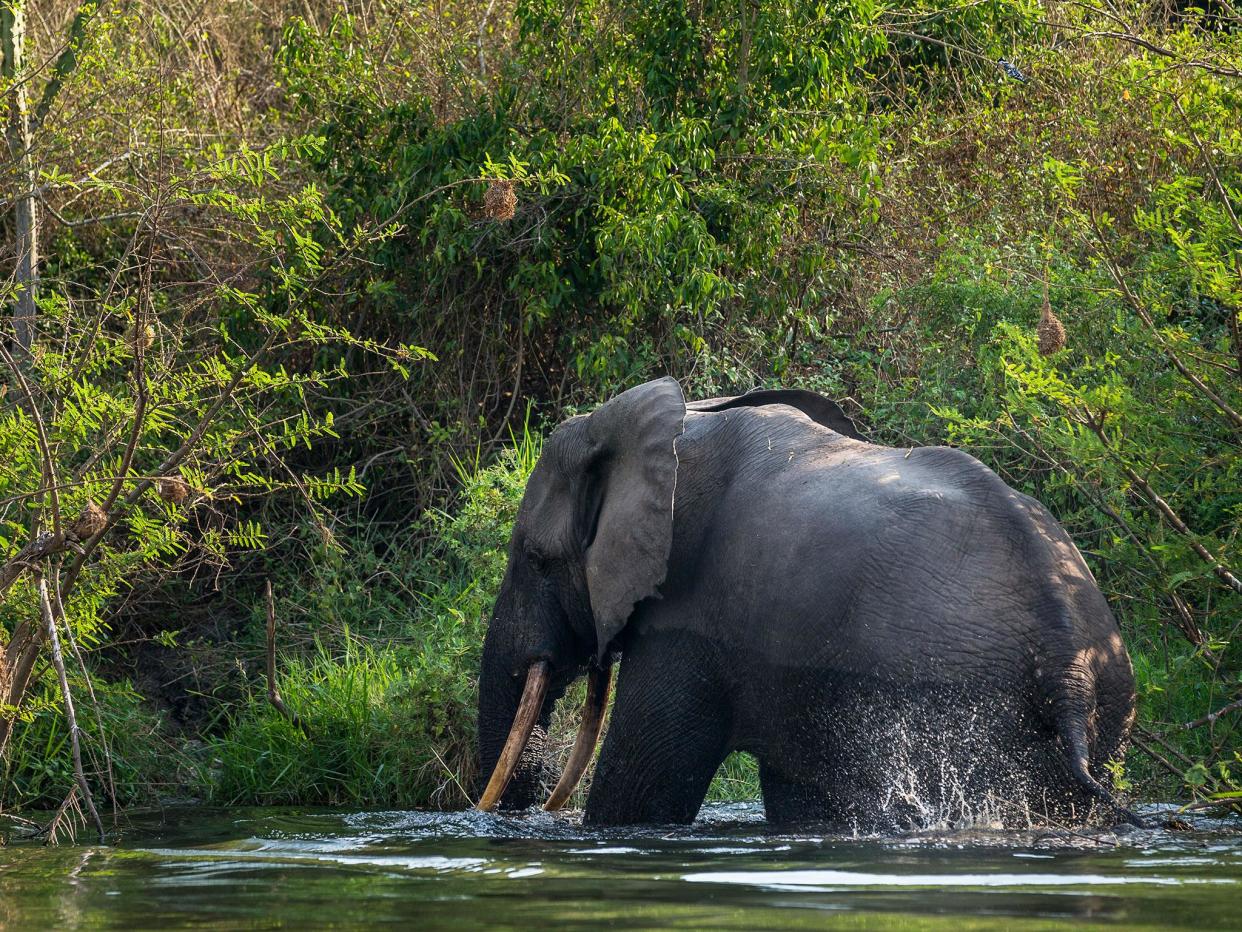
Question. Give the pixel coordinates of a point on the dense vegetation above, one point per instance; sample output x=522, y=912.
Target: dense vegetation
x=312, y=280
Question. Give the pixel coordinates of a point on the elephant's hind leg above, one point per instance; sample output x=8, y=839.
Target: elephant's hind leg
x=793, y=802
x=668, y=734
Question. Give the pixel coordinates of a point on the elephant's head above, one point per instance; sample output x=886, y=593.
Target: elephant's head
x=591, y=540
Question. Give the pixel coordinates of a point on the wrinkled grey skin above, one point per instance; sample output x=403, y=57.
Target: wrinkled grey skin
x=895, y=634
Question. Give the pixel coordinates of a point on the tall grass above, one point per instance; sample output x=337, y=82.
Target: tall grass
x=388, y=694
x=129, y=752
x=384, y=726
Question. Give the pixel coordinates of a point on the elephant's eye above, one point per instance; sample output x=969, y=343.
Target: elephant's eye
x=537, y=561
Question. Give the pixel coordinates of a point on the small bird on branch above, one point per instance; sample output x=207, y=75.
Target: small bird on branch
x=1012, y=70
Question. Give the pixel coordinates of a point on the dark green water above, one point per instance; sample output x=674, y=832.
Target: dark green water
x=297, y=868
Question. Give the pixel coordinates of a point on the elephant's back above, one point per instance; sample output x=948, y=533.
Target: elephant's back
x=914, y=562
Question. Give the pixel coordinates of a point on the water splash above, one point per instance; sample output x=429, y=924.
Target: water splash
x=951, y=769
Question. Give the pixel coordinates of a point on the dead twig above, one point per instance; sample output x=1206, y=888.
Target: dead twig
x=52, y=829
x=1211, y=717
x=1156, y=756
x=273, y=693
x=90, y=690
x=452, y=777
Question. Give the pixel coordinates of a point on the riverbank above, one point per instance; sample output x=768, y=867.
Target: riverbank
x=378, y=702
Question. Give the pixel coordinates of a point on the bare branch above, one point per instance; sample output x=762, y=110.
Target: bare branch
x=1212, y=717
x=1137, y=306
x=1161, y=507
x=1142, y=43
x=940, y=42
x=75, y=744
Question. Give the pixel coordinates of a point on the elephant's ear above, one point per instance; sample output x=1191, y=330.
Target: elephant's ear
x=819, y=409
x=631, y=534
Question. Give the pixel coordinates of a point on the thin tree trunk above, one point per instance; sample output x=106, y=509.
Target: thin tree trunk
x=746, y=21
x=17, y=132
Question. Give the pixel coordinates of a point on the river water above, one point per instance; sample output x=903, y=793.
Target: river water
x=268, y=868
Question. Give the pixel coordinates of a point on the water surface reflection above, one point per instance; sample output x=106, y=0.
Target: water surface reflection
x=272, y=868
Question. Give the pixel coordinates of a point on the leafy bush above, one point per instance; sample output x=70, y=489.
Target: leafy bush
x=389, y=708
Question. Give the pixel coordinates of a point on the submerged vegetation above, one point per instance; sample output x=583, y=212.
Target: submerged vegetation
x=295, y=289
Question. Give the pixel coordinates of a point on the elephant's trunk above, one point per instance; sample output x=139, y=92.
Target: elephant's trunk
x=524, y=721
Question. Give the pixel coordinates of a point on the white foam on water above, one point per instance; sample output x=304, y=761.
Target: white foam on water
x=828, y=879
x=437, y=863
x=524, y=872
x=606, y=850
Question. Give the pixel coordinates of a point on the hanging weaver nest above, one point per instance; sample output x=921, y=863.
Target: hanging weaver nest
x=1051, y=331
x=172, y=489
x=90, y=522
x=500, y=201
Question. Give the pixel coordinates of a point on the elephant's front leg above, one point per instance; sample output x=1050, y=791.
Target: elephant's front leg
x=668, y=734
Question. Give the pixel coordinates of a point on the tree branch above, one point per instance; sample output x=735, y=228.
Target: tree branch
x=75, y=744
x=65, y=63
x=1161, y=507
x=1137, y=306
x=1211, y=717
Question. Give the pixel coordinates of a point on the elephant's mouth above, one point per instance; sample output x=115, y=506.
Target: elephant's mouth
x=598, y=681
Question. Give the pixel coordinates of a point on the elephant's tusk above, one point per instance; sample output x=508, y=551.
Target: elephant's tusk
x=588, y=734
x=519, y=734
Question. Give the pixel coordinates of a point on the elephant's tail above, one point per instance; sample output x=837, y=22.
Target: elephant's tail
x=1073, y=732
x=1075, y=690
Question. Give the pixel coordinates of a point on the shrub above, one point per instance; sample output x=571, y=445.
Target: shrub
x=389, y=707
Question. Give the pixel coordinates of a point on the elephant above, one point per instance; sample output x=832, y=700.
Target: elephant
x=896, y=635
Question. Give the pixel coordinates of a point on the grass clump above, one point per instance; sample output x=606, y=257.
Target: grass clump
x=736, y=780
x=383, y=726
x=127, y=746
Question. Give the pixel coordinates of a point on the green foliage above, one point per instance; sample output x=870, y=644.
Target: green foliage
x=389, y=709
x=384, y=726
x=667, y=159
x=157, y=397
x=131, y=751
x=290, y=244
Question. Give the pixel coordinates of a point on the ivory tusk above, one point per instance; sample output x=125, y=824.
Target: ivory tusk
x=598, y=682
x=519, y=734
